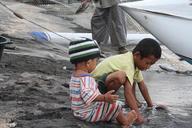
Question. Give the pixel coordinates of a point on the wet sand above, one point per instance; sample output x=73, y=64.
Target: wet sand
x=172, y=90
x=34, y=93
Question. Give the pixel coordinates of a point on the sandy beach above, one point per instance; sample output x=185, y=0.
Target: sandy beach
x=35, y=75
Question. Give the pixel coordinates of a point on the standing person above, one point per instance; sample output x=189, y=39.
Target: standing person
x=125, y=69
x=108, y=21
x=87, y=102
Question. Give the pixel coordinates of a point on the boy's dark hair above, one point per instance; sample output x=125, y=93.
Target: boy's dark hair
x=148, y=47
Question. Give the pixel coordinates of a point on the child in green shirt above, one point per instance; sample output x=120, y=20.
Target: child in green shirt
x=125, y=70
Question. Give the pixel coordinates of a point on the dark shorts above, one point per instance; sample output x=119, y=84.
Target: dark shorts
x=101, y=83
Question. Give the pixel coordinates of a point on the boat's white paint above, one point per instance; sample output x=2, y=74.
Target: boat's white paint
x=180, y=8
x=163, y=19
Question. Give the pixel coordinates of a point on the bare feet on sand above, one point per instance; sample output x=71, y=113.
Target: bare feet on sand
x=131, y=116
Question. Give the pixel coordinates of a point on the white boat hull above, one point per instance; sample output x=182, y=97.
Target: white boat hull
x=173, y=31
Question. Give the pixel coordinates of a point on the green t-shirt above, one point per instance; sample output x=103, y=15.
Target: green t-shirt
x=122, y=62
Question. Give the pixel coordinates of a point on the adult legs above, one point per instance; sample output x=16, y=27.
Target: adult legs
x=117, y=31
x=99, y=26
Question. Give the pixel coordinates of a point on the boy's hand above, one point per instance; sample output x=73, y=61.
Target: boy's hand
x=109, y=97
x=157, y=107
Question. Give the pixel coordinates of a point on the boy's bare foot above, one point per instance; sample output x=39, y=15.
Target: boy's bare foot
x=132, y=116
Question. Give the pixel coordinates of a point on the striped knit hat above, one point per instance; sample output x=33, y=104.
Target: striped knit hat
x=82, y=50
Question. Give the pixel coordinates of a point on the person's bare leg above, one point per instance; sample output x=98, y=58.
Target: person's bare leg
x=115, y=80
x=127, y=120
x=134, y=93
